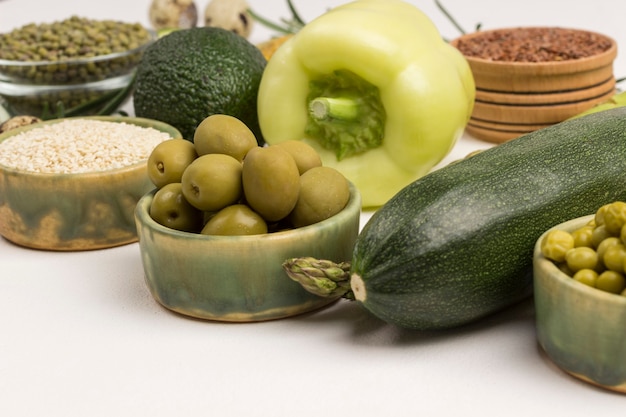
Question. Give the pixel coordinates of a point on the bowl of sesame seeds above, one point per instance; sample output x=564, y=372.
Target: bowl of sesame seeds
x=528, y=78
x=73, y=184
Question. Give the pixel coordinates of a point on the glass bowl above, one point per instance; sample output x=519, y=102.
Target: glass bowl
x=48, y=88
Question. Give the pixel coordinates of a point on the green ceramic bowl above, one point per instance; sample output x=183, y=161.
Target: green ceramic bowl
x=580, y=328
x=70, y=212
x=239, y=278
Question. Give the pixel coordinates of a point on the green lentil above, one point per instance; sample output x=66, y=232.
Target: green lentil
x=72, y=38
x=64, y=45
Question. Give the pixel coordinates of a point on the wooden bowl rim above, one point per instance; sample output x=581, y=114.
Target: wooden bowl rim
x=565, y=66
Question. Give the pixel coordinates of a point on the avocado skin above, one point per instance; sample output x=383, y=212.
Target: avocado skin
x=191, y=74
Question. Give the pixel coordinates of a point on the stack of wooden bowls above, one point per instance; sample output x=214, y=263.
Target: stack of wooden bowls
x=528, y=78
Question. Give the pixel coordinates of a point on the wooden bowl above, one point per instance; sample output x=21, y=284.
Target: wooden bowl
x=239, y=278
x=580, y=328
x=505, y=74
x=77, y=211
x=514, y=96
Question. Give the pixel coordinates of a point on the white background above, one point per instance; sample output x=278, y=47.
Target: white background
x=81, y=336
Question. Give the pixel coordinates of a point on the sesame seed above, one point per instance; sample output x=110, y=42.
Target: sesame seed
x=79, y=146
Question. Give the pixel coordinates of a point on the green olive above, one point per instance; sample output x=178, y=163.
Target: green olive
x=221, y=133
x=611, y=281
x=305, y=155
x=271, y=182
x=581, y=258
x=324, y=192
x=168, y=160
x=170, y=209
x=235, y=220
x=212, y=182
x=555, y=245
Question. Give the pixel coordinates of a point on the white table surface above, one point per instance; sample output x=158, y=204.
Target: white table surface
x=80, y=334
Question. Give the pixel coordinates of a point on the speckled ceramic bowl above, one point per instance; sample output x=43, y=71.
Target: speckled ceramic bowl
x=580, y=328
x=239, y=278
x=70, y=212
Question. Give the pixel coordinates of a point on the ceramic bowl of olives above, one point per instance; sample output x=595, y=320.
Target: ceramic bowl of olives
x=239, y=278
x=580, y=323
x=77, y=61
x=72, y=184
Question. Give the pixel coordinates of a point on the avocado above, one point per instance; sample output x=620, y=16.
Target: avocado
x=193, y=73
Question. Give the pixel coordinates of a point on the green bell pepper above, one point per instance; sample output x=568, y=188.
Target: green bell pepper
x=374, y=88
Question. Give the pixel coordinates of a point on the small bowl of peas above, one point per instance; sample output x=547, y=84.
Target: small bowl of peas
x=71, y=67
x=580, y=296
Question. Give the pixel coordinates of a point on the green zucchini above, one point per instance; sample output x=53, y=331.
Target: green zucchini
x=456, y=245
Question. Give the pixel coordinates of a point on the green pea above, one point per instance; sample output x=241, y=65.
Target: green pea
x=583, y=236
x=615, y=217
x=603, y=246
x=586, y=276
x=581, y=258
x=555, y=245
x=611, y=281
x=599, y=234
x=614, y=257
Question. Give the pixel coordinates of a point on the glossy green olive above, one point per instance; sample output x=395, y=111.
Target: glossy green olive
x=168, y=161
x=170, y=209
x=271, y=182
x=324, y=192
x=212, y=182
x=224, y=134
x=235, y=220
x=305, y=155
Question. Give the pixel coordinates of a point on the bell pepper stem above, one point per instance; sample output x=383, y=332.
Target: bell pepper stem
x=341, y=108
